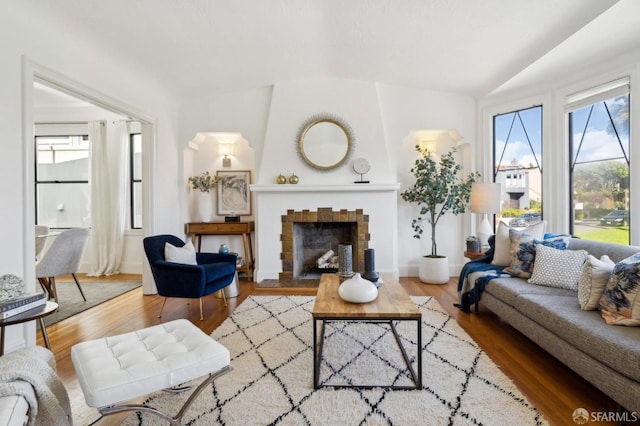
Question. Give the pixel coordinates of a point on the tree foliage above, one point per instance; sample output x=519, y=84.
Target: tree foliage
x=438, y=189
x=596, y=182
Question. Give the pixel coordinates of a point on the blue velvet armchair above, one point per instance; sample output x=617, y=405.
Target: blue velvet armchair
x=213, y=272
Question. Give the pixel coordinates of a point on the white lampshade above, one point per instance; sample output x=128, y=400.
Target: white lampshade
x=225, y=148
x=485, y=199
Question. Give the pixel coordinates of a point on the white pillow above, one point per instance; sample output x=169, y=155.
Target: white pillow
x=557, y=268
x=502, y=244
x=185, y=254
x=593, y=280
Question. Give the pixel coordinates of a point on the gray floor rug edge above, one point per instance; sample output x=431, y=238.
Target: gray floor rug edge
x=96, y=292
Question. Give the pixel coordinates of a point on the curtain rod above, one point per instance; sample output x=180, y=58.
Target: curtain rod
x=75, y=123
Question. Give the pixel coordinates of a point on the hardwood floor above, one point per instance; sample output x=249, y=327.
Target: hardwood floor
x=550, y=386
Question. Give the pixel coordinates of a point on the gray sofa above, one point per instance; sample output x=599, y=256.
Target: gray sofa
x=608, y=356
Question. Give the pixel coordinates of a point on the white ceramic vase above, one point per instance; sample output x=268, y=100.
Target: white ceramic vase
x=434, y=270
x=357, y=290
x=204, y=205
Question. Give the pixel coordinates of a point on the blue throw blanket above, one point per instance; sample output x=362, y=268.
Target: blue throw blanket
x=482, y=264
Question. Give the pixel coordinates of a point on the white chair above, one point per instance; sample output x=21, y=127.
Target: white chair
x=41, y=238
x=62, y=258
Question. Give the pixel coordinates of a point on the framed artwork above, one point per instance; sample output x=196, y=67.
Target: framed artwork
x=233, y=194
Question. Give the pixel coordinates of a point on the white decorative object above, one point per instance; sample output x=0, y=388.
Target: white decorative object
x=358, y=290
x=205, y=206
x=11, y=286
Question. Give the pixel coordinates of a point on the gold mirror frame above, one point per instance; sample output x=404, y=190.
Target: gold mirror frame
x=319, y=119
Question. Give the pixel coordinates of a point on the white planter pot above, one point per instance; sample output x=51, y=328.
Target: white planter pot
x=434, y=270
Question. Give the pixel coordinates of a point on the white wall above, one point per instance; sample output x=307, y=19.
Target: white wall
x=30, y=44
x=382, y=118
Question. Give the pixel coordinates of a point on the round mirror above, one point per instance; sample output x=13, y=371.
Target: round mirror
x=325, y=141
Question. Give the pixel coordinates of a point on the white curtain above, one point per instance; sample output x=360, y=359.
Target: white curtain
x=108, y=181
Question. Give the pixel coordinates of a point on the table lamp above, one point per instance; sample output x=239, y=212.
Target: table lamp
x=485, y=200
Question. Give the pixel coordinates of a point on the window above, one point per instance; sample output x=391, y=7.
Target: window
x=135, y=173
x=517, y=148
x=598, y=123
x=62, y=176
x=62, y=181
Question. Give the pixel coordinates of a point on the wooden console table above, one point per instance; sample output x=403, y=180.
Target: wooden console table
x=198, y=229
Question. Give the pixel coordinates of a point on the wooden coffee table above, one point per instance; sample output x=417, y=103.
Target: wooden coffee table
x=392, y=304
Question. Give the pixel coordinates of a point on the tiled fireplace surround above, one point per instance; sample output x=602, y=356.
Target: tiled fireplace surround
x=374, y=206
x=356, y=231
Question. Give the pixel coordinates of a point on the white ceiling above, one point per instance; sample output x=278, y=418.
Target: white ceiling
x=471, y=47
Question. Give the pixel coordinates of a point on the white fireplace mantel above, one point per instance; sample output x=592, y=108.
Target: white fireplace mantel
x=353, y=187
x=378, y=201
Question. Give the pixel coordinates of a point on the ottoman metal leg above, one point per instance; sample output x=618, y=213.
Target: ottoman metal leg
x=174, y=420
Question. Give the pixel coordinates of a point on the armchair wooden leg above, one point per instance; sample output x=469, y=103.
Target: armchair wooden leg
x=201, y=317
x=44, y=283
x=224, y=297
x=161, y=308
x=52, y=285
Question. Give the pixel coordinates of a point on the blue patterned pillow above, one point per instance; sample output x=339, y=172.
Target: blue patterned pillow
x=523, y=251
x=620, y=302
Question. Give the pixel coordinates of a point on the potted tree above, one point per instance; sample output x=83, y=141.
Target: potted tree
x=438, y=189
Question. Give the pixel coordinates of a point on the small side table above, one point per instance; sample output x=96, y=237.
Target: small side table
x=32, y=314
x=198, y=229
x=473, y=255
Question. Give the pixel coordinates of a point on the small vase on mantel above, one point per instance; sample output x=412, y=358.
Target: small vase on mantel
x=204, y=206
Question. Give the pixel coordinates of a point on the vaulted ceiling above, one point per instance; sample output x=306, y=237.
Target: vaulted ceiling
x=470, y=47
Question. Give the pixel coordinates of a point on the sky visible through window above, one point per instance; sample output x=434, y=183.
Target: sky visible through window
x=600, y=141
x=521, y=131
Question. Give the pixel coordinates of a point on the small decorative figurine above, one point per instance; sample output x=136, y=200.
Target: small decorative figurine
x=224, y=249
x=293, y=179
x=281, y=179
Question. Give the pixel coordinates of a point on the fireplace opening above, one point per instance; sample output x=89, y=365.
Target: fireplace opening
x=313, y=240
x=307, y=236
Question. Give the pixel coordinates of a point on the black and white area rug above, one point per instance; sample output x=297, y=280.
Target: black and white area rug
x=270, y=340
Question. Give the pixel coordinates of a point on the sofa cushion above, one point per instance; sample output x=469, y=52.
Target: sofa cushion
x=523, y=251
x=510, y=289
x=620, y=302
x=502, y=245
x=557, y=268
x=593, y=278
x=617, y=347
x=616, y=252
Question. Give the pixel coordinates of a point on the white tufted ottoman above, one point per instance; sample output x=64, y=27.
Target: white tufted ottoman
x=115, y=369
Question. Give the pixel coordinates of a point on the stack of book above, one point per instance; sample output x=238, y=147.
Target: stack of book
x=17, y=305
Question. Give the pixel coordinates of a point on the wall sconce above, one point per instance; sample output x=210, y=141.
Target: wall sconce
x=225, y=149
x=485, y=199
x=428, y=146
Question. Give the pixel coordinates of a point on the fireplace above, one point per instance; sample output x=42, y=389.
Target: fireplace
x=307, y=235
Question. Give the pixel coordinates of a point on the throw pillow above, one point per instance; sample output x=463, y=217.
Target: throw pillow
x=502, y=245
x=557, y=268
x=523, y=252
x=185, y=254
x=593, y=279
x=620, y=302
